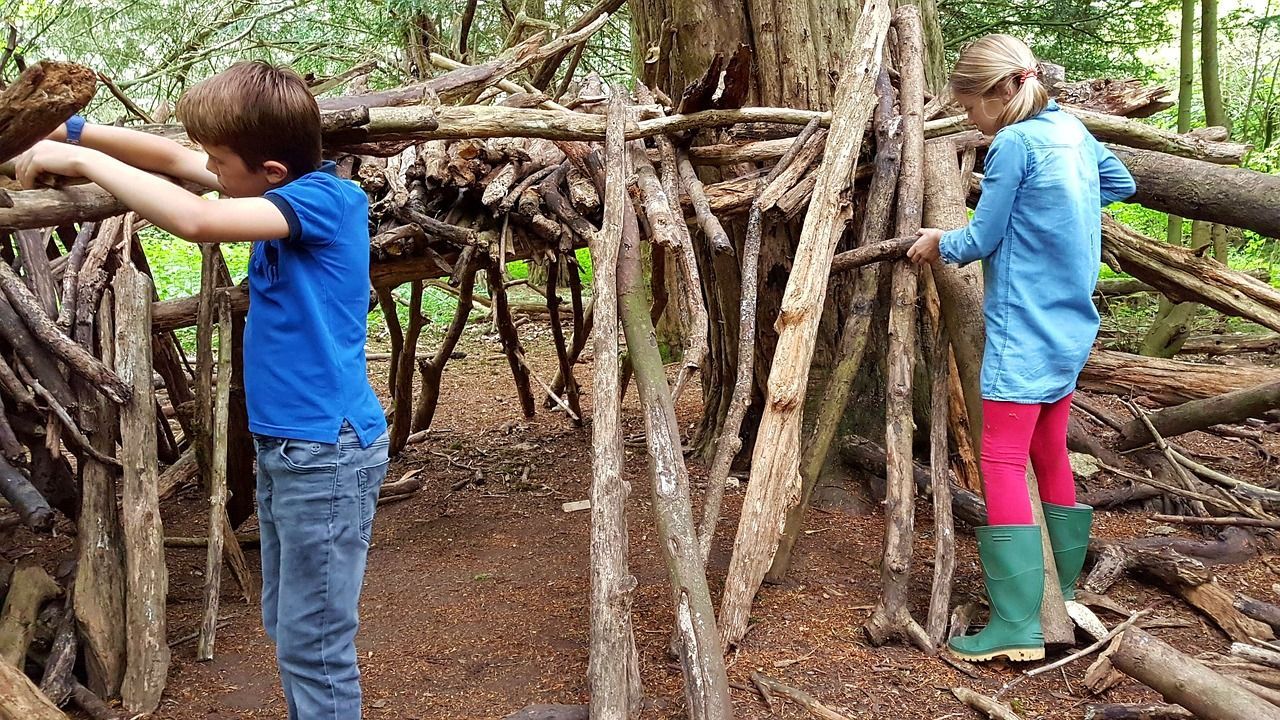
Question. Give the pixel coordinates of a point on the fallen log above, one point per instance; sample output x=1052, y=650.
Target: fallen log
x=1231, y=344
x=1258, y=610
x=1120, y=286
x=20, y=699
x=32, y=507
x=1180, y=679
x=1183, y=276
x=29, y=589
x=1233, y=196
x=1167, y=382
x=40, y=100
x=1225, y=409
x=869, y=457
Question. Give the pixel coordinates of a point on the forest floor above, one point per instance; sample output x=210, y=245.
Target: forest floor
x=476, y=600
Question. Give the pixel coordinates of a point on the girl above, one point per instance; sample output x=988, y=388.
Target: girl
x=1037, y=229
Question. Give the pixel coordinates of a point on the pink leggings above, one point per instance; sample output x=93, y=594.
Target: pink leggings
x=1009, y=432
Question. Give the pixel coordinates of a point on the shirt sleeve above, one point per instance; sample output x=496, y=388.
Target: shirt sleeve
x=1114, y=180
x=1004, y=169
x=314, y=210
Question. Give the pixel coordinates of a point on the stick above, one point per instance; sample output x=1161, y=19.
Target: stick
x=612, y=666
x=217, y=488
x=991, y=708
x=769, y=686
x=775, y=484
x=1239, y=521
x=1073, y=656
x=730, y=441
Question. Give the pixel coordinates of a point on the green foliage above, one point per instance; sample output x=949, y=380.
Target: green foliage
x=1090, y=39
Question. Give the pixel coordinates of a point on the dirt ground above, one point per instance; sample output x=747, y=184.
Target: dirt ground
x=476, y=599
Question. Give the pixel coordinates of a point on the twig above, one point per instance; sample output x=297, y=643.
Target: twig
x=800, y=697
x=985, y=705
x=1241, y=521
x=72, y=429
x=1073, y=656
x=129, y=104
x=550, y=393
x=1167, y=488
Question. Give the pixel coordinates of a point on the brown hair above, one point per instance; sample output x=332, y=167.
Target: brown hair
x=993, y=63
x=259, y=111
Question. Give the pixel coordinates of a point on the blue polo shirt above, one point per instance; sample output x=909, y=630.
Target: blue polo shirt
x=304, y=363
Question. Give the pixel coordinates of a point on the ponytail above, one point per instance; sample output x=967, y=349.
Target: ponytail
x=995, y=63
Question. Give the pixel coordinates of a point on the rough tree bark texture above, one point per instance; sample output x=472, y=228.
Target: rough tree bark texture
x=1198, y=414
x=613, y=667
x=147, y=580
x=706, y=684
x=775, y=478
x=40, y=100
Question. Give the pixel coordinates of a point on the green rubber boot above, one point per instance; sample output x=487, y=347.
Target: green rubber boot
x=1013, y=564
x=1069, y=534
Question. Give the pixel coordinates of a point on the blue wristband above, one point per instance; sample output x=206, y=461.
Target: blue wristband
x=75, y=126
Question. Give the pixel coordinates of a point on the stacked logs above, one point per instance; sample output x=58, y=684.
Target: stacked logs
x=456, y=192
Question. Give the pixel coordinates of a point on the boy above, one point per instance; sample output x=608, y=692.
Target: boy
x=319, y=430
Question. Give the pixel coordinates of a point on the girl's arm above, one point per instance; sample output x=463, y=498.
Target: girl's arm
x=1005, y=167
x=1114, y=180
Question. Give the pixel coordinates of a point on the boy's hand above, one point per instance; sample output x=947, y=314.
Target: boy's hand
x=48, y=158
x=925, y=249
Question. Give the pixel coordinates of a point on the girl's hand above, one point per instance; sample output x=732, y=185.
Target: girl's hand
x=925, y=249
x=47, y=158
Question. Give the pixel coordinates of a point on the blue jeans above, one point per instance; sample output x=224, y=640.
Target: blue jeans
x=315, y=511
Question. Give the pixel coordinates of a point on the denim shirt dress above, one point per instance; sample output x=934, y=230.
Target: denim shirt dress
x=1038, y=231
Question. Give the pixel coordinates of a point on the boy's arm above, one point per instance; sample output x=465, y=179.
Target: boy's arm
x=144, y=150
x=172, y=208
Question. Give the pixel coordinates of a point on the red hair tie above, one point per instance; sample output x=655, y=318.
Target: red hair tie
x=1027, y=74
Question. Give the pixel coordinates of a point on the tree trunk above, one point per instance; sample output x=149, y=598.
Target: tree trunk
x=775, y=478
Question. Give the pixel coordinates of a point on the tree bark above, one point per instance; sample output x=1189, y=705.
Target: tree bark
x=20, y=699
x=40, y=100
x=706, y=685
x=775, y=480
x=1167, y=382
x=29, y=589
x=1181, y=679
x=613, y=674
x=147, y=579
x=33, y=509
x=1225, y=409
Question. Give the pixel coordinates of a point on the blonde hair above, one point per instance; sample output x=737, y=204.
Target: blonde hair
x=260, y=111
x=993, y=64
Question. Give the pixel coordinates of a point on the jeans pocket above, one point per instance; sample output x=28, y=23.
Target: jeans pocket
x=370, y=479
x=302, y=456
